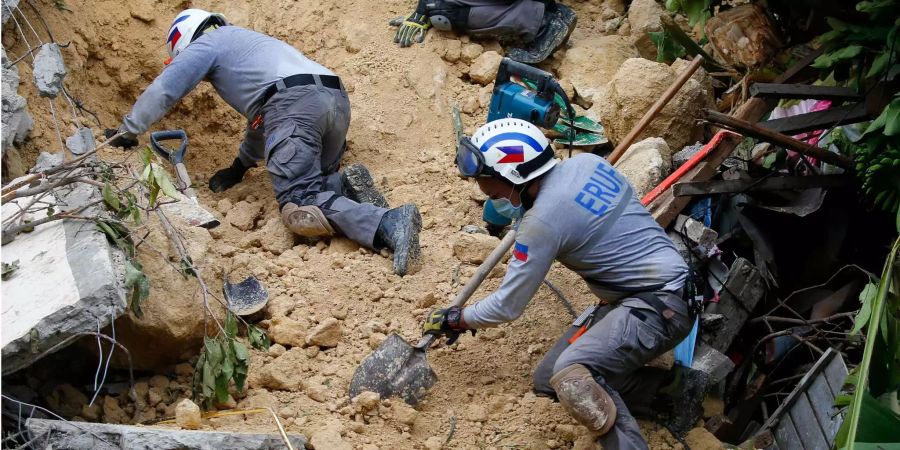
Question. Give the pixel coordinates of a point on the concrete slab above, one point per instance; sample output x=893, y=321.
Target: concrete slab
x=84, y=436
x=69, y=280
x=49, y=70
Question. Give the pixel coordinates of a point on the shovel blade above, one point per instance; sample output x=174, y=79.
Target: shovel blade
x=395, y=368
x=191, y=213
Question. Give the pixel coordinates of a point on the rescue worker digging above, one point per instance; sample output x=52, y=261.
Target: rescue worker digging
x=298, y=114
x=583, y=213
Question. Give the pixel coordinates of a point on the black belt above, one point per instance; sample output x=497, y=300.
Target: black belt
x=303, y=79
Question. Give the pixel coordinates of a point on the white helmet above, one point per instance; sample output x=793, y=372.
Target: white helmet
x=516, y=149
x=186, y=25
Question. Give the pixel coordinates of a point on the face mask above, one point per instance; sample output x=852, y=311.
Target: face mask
x=505, y=208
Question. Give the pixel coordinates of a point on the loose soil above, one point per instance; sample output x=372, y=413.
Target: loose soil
x=401, y=129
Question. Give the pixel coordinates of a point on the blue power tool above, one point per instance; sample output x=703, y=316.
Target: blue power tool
x=511, y=99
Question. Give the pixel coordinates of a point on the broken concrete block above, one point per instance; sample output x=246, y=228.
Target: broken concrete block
x=645, y=164
x=17, y=123
x=744, y=287
x=45, y=161
x=712, y=362
x=79, y=274
x=81, y=142
x=695, y=230
x=49, y=70
x=8, y=7
x=83, y=436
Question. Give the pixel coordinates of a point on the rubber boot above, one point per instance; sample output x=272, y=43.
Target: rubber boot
x=399, y=231
x=359, y=186
x=307, y=221
x=584, y=399
x=683, y=398
x=559, y=21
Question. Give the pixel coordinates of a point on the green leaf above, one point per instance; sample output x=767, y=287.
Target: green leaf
x=214, y=354
x=697, y=11
x=231, y=326
x=136, y=280
x=240, y=351
x=209, y=380
x=667, y=50
x=110, y=197
x=865, y=298
x=831, y=58
x=258, y=338
x=879, y=65
x=673, y=5
x=146, y=157
x=162, y=179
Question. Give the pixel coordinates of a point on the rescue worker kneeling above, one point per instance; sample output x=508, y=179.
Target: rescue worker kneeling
x=583, y=213
x=297, y=118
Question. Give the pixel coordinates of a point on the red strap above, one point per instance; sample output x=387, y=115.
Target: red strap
x=256, y=122
x=578, y=334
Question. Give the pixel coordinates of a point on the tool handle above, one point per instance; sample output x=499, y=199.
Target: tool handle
x=540, y=78
x=480, y=274
x=174, y=156
x=182, y=178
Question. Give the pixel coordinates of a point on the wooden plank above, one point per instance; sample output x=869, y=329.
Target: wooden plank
x=803, y=91
x=835, y=373
x=765, y=184
x=822, y=399
x=807, y=379
x=786, y=435
x=807, y=425
x=819, y=120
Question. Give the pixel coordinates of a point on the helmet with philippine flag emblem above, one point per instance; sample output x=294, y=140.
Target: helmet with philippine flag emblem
x=185, y=27
x=515, y=149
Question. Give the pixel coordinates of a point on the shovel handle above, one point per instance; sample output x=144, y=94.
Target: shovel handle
x=173, y=156
x=480, y=274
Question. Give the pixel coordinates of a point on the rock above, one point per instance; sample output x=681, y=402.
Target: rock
x=81, y=436
x=79, y=274
x=17, y=123
x=275, y=350
x=159, y=381
x=469, y=52
x=274, y=237
x=744, y=35
x=366, y=400
x=329, y=437
x=637, y=85
x=142, y=10
x=243, y=215
x=473, y=248
x=184, y=370
x=187, y=415
x=112, y=412
x=434, y=443
x=224, y=205
x=285, y=372
x=91, y=412
x=81, y=142
x=453, y=50
x=713, y=406
x=341, y=245
x=317, y=392
x=427, y=76
x=404, y=413
x=643, y=15
x=476, y=412
x=157, y=395
x=173, y=313
x=46, y=161
x=592, y=62
x=427, y=300
x=49, y=70
x=645, y=164
x=287, y=331
x=66, y=401
x=685, y=154
x=325, y=334
x=701, y=439
x=8, y=7
x=375, y=339
x=484, y=68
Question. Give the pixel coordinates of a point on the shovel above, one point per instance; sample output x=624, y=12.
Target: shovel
x=188, y=208
x=398, y=368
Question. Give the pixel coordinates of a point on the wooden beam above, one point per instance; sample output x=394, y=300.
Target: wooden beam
x=803, y=91
x=666, y=207
x=842, y=115
x=692, y=188
x=749, y=129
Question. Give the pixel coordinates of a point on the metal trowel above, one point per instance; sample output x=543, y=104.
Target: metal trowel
x=187, y=208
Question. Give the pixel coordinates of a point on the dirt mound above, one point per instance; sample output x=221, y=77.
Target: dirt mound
x=401, y=129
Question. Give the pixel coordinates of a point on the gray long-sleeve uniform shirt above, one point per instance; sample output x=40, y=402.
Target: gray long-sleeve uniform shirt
x=587, y=217
x=239, y=63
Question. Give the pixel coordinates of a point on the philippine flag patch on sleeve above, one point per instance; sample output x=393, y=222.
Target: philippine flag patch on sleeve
x=520, y=251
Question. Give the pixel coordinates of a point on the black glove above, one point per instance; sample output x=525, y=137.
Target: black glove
x=412, y=28
x=446, y=322
x=126, y=140
x=228, y=176
x=493, y=229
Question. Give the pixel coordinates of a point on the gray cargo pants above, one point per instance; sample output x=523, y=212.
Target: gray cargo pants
x=615, y=348
x=305, y=132
x=503, y=18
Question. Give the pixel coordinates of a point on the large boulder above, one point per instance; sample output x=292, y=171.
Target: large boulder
x=68, y=280
x=173, y=314
x=634, y=89
x=591, y=63
x=643, y=15
x=645, y=164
